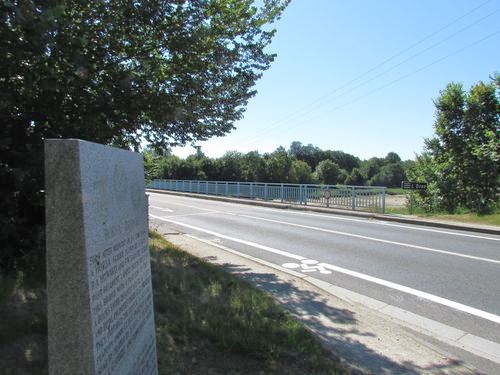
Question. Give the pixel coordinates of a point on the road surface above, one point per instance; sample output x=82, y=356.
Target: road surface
x=445, y=276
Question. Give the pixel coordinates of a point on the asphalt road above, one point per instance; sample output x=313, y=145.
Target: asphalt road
x=449, y=276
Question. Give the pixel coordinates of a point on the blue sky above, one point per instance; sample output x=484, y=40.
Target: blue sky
x=360, y=75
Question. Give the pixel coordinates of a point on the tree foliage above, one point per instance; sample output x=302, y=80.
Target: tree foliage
x=310, y=154
x=328, y=172
x=278, y=165
x=461, y=161
x=288, y=166
x=355, y=178
x=116, y=72
x=425, y=170
x=300, y=172
x=344, y=160
x=389, y=175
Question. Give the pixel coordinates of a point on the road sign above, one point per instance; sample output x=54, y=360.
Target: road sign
x=327, y=194
x=413, y=185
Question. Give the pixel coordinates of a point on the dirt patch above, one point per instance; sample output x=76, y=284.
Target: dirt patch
x=395, y=201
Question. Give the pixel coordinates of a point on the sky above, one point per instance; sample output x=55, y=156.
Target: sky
x=360, y=76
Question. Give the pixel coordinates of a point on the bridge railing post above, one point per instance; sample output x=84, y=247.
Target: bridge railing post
x=353, y=198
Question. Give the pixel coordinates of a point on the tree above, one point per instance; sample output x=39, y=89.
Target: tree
x=390, y=175
x=295, y=150
x=344, y=160
x=466, y=147
x=171, y=168
x=278, y=165
x=154, y=164
x=328, y=172
x=192, y=167
x=356, y=178
x=253, y=167
x=230, y=165
x=208, y=166
x=371, y=167
x=300, y=172
x=116, y=72
x=312, y=155
x=482, y=131
x=446, y=147
x=424, y=169
x=392, y=158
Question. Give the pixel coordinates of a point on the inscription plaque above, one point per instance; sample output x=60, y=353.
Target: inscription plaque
x=99, y=294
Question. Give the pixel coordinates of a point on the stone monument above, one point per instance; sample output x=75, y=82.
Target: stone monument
x=99, y=293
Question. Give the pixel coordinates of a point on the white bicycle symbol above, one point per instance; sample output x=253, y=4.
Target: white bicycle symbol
x=308, y=265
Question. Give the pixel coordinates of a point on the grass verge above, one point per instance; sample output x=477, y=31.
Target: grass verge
x=207, y=322
x=467, y=218
x=491, y=219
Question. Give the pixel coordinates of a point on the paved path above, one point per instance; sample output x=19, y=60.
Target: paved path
x=435, y=280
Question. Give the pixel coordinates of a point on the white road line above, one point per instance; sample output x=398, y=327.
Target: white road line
x=249, y=243
x=365, y=221
x=451, y=335
x=430, y=297
x=184, y=215
x=161, y=208
x=195, y=207
x=451, y=253
x=422, y=248
x=193, y=214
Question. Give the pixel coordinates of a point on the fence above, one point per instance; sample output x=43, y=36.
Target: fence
x=366, y=198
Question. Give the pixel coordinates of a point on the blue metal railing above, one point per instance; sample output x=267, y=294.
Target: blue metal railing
x=366, y=198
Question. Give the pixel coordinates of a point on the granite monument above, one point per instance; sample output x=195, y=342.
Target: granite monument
x=99, y=293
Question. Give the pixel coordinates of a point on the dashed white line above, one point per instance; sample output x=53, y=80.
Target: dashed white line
x=190, y=206
x=424, y=248
x=249, y=243
x=424, y=295
x=364, y=221
x=161, y=208
x=384, y=223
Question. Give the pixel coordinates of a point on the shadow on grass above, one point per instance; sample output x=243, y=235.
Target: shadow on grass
x=313, y=310
x=208, y=322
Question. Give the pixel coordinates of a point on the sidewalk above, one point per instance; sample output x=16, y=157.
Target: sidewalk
x=362, y=337
x=403, y=219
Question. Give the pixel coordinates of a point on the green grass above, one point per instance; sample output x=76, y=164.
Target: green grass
x=207, y=322
x=491, y=219
x=204, y=313
x=467, y=217
x=405, y=211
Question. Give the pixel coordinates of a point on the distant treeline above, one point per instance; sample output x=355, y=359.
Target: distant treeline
x=299, y=164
